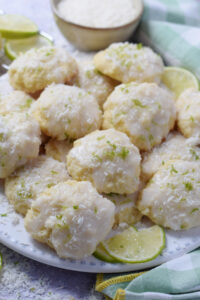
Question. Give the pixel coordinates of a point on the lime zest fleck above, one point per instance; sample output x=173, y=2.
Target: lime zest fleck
x=75, y=207
x=50, y=52
x=49, y=185
x=138, y=103
x=188, y=186
x=4, y=215
x=97, y=156
x=194, y=210
x=101, y=138
x=54, y=172
x=193, y=152
x=173, y=170
x=183, y=226
x=28, y=103
x=139, y=46
x=24, y=194
x=123, y=153
x=109, y=154
x=112, y=145
x=171, y=186
x=124, y=90
x=192, y=118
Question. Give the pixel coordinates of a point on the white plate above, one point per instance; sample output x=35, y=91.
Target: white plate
x=14, y=236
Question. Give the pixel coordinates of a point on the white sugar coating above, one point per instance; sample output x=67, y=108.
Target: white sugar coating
x=19, y=141
x=128, y=62
x=26, y=183
x=126, y=212
x=58, y=149
x=175, y=147
x=188, y=108
x=145, y=112
x=90, y=79
x=66, y=112
x=35, y=69
x=171, y=198
x=99, y=14
x=108, y=159
x=71, y=217
x=5, y=87
x=16, y=101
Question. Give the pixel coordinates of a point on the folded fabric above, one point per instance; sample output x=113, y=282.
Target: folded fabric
x=172, y=28
x=176, y=279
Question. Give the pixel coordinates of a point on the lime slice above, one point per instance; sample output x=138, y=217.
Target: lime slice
x=14, y=47
x=101, y=254
x=132, y=246
x=179, y=79
x=17, y=27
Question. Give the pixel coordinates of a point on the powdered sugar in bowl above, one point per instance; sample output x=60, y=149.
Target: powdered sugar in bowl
x=93, y=25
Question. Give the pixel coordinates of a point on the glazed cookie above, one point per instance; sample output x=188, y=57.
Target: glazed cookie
x=16, y=101
x=126, y=212
x=90, y=79
x=19, y=141
x=70, y=217
x=171, y=198
x=145, y=112
x=25, y=184
x=174, y=148
x=35, y=69
x=188, y=109
x=108, y=159
x=67, y=112
x=127, y=62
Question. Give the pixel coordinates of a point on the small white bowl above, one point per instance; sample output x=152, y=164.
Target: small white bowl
x=91, y=39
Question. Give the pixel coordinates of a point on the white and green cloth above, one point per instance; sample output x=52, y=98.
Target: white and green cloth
x=176, y=279
x=172, y=28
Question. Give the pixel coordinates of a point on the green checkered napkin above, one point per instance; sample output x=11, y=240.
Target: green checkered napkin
x=176, y=279
x=172, y=28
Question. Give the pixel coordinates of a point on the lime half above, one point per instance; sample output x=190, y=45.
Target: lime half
x=132, y=246
x=14, y=47
x=101, y=254
x=179, y=79
x=17, y=27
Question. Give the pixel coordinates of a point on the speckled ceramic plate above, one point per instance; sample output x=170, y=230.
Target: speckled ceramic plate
x=14, y=236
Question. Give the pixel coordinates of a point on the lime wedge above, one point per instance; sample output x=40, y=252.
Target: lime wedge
x=14, y=47
x=101, y=254
x=132, y=246
x=17, y=27
x=179, y=79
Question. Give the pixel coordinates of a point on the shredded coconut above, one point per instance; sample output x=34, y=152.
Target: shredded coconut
x=22, y=278
x=102, y=14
